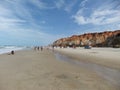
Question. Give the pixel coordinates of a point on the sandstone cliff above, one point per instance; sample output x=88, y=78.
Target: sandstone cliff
x=101, y=39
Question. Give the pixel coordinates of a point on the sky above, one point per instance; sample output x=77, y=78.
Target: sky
x=41, y=22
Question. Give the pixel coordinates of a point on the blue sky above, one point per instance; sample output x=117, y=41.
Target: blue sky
x=40, y=22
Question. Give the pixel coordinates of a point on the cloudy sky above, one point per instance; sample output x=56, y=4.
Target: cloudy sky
x=40, y=22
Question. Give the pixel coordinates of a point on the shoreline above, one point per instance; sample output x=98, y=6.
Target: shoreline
x=109, y=74
x=108, y=57
x=15, y=50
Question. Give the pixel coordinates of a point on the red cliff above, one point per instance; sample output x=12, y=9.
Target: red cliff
x=101, y=39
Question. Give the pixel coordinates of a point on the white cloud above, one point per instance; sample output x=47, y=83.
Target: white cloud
x=13, y=17
x=104, y=12
x=10, y=20
x=82, y=4
x=66, y=6
x=17, y=12
x=59, y=3
x=99, y=16
x=41, y=5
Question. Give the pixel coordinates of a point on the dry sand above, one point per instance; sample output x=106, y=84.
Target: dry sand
x=36, y=70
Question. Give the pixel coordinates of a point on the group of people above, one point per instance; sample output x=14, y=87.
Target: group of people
x=11, y=52
x=38, y=48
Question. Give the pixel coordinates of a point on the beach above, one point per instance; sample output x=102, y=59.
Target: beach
x=109, y=57
x=43, y=70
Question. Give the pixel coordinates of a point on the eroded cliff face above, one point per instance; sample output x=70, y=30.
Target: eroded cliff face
x=102, y=39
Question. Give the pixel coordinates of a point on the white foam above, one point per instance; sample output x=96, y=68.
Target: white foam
x=7, y=49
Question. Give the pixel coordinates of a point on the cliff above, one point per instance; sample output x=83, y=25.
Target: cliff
x=101, y=39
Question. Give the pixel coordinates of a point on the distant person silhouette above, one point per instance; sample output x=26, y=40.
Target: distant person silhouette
x=38, y=48
x=41, y=48
x=12, y=52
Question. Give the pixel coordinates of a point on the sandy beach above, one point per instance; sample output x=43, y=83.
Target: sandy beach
x=42, y=70
x=109, y=57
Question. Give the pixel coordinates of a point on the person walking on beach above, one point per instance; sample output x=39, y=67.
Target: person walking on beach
x=41, y=48
x=38, y=48
x=53, y=48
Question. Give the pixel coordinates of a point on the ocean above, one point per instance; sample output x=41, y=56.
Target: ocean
x=7, y=49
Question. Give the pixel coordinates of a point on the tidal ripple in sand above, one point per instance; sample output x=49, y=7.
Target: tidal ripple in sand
x=112, y=75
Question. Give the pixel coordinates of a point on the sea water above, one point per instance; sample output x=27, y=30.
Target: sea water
x=7, y=49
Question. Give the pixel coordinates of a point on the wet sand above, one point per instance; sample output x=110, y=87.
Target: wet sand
x=36, y=70
x=109, y=57
x=111, y=75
